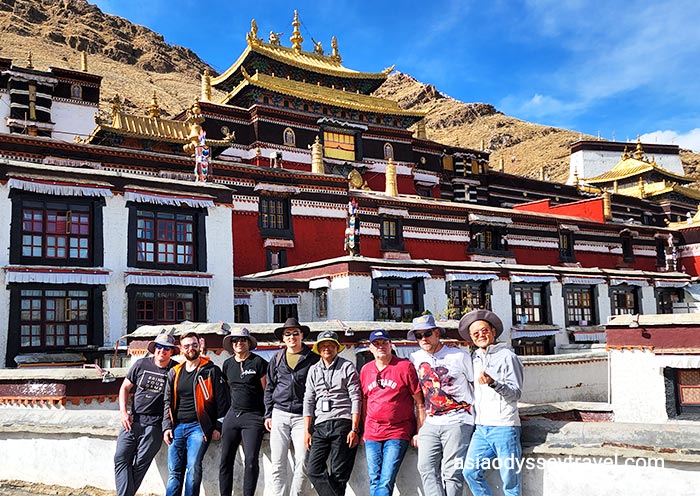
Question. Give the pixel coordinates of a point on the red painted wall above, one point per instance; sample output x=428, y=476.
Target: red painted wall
x=586, y=209
x=404, y=184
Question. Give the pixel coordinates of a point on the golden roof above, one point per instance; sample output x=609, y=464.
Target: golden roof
x=635, y=164
x=322, y=94
x=316, y=61
x=648, y=190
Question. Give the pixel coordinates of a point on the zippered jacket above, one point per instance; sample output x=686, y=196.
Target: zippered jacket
x=285, y=387
x=497, y=405
x=211, y=397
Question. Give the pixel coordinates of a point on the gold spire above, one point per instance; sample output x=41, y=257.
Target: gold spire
x=83, y=61
x=639, y=151
x=116, y=105
x=317, y=157
x=625, y=154
x=420, y=129
x=30, y=65
x=335, y=55
x=296, y=37
x=252, y=36
x=206, y=86
x=154, y=108
x=607, y=205
x=390, y=186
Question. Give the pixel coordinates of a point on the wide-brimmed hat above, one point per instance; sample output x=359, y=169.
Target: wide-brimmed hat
x=292, y=323
x=239, y=332
x=423, y=323
x=166, y=337
x=475, y=315
x=327, y=336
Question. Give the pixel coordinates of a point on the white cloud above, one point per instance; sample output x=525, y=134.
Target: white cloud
x=689, y=140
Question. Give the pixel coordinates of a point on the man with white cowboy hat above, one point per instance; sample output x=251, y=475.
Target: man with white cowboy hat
x=446, y=376
x=498, y=384
x=332, y=411
x=243, y=423
x=284, y=397
x=141, y=434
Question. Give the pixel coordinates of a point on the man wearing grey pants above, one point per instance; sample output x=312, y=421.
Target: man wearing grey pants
x=284, y=396
x=446, y=376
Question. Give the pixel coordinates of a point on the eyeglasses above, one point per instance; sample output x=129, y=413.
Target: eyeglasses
x=163, y=347
x=421, y=335
x=239, y=339
x=190, y=345
x=378, y=379
x=289, y=334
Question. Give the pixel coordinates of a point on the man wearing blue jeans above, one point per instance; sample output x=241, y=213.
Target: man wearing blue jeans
x=390, y=390
x=196, y=396
x=499, y=381
x=445, y=375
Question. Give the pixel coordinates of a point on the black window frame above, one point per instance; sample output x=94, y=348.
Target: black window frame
x=22, y=200
x=199, y=303
x=282, y=312
x=664, y=299
x=627, y=243
x=388, y=242
x=544, y=291
x=95, y=336
x=281, y=258
x=488, y=240
x=578, y=310
x=284, y=232
x=199, y=257
x=455, y=293
x=623, y=289
x=566, y=246
x=417, y=288
x=241, y=314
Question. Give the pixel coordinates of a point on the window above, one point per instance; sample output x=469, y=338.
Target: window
x=170, y=239
x=534, y=346
x=289, y=137
x=53, y=318
x=665, y=298
x=580, y=306
x=465, y=296
x=529, y=304
x=158, y=306
x=624, y=300
x=339, y=145
x=682, y=391
x=566, y=246
x=661, y=252
x=275, y=217
x=487, y=239
x=388, y=151
x=275, y=259
x=321, y=299
x=391, y=233
x=395, y=300
x=241, y=314
x=627, y=248
x=76, y=91
x=285, y=311
x=55, y=231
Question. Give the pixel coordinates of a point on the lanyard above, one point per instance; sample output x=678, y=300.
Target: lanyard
x=326, y=383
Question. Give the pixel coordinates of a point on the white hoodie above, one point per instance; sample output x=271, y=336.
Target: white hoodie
x=498, y=405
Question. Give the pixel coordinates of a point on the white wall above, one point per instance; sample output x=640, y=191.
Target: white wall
x=502, y=305
x=638, y=392
x=350, y=298
x=220, y=264
x=115, y=228
x=4, y=110
x=554, y=379
x=648, y=300
x=592, y=163
x=435, y=298
x=72, y=119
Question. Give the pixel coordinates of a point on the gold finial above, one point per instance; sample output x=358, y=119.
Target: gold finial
x=420, y=130
x=642, y=193
x=116, y=105
x=30, y=65
x=625, y=154
x=206, y=86
x=153, y=108
x=296, y=37
x=252, y=36
x=335, y=55
x=390, y=180
x=83, y=61
x=607, y=205
x=317, y=157
x=639, y=151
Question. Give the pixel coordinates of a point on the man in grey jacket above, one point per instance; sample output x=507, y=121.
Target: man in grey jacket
x=332, y=410
x=498, y=382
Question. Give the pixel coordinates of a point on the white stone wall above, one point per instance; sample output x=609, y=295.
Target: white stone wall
x=72, y=119
x=115, y=229
x=592, y=163
x=647, y=303
x=638, y=393
x=502, y=305
x=350, y=298
x=435, y=298
x=573, y=379
x=4, y=111
x=220, y=264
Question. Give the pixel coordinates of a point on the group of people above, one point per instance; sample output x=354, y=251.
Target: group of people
x=459, y=410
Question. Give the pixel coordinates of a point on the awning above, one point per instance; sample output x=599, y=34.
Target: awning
x=524, y=333
x=678, y=361
x=694, y=291
x=320, y=283
x=588, y=281
x=401, y=274
x=589, y=337
x=168, y=199
x=276, y=188
x=67, y=188
x=48, y=275
x=671, y=284
x=393, y=212
x=489, y=220
x=241, y=300
x=286, y=300
x=630, y=282
x=428, y=179
x=165, y=279
x=532, y=278
x=470, y=276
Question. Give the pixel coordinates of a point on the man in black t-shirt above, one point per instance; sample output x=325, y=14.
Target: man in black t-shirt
x=141, y=435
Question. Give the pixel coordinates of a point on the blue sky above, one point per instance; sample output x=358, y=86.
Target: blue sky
x=613, y=68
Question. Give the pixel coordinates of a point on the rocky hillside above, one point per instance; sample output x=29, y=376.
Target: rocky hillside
x=135, y=61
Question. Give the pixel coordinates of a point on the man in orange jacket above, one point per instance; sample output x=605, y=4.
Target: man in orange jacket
x=196, y=396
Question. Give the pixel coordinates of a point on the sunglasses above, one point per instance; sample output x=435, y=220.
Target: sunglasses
x=190, y=345
x=288, y=334
x=421, y=335
x=159, y=346
x=239, y=339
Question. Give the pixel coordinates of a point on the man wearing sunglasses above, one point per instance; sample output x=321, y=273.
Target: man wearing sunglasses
x=284, y=399
x=446, y=377
x=141, y=435
x=196, y=396
x=390, y=389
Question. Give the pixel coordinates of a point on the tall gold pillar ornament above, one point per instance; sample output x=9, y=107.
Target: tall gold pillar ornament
x=317, y=157
x=607, y=206
x=420, y=130
x=296, y=37
x=206, y=86
x=390, y=180
x=83, y=61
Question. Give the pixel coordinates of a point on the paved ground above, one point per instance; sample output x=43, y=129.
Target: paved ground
x=19, y=488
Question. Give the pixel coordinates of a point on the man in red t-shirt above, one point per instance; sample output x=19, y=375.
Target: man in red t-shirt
x=391, y=390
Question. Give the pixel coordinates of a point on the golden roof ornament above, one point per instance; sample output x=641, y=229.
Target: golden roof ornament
x=252, y=36
x=625, y=154
x=274, y=38
x=206, y=86
x=318, y=47
x=116, y=105
x=154, y=108
x=83, y=61
x=390, y=179
x=296, y=37
x=30, y=65
x=335, y=55
x=639, y=151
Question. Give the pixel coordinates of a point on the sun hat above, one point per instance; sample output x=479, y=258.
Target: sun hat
x=423, y=323
x=327, y=336
x=164, y=338
x=292, y=323
x=475, y=315
x=239, y=332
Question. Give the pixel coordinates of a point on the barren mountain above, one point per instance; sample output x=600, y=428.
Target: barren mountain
x=135, y=61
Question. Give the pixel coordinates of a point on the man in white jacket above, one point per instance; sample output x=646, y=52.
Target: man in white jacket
x=498, y=382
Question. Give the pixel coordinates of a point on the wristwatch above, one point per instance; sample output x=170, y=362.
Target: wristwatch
x=493, y=385
x=355, y=430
